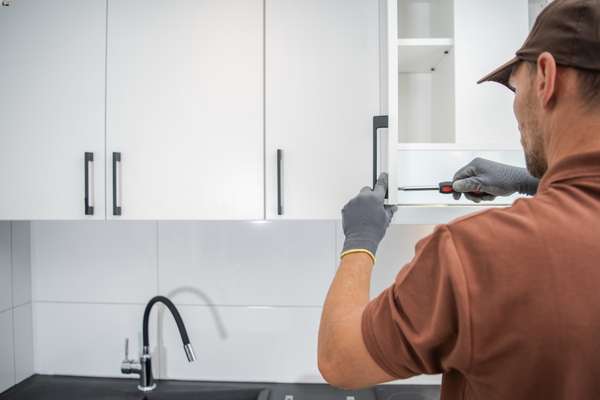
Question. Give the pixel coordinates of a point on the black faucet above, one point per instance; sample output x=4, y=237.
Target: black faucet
x=144, y=366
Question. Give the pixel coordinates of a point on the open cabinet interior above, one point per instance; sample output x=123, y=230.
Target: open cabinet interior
x=439, y=118
x=425, y=44
x=425, y=19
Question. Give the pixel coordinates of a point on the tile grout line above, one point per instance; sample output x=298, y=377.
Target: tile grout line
x=34, y=338
x=5, y=310
x=30, y=252
x=157, y=258
x=14, y=332
x=91, y=303
x=12, y=301
x=158, y=331
x=66, y=302
x=27, y=303
x=12, y=265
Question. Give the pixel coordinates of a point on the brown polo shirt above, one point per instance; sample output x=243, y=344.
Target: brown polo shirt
x=506, y=302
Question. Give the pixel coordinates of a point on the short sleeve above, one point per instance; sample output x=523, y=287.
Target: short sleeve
x=420, y=325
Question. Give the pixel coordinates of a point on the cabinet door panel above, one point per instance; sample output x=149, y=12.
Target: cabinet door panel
x=51, y=107
x=321, y=94
x=185, y=108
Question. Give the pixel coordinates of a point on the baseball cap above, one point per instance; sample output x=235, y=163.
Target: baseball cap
x=568, y=29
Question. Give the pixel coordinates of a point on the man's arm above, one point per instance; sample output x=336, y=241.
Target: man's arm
x=343, y=357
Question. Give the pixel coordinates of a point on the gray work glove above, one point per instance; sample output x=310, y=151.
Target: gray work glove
x=492, y=179
x=365, y=219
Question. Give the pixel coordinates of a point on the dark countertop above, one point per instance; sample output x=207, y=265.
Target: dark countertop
x=54, y=387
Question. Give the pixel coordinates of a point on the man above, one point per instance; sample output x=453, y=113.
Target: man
x=506, y=302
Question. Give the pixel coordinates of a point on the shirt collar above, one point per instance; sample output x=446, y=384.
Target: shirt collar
x=581, y=165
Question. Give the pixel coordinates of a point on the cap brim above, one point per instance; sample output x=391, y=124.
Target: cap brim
x=501, y=74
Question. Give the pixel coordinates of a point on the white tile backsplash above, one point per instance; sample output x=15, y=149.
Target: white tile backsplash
x=250, y=294
x=21, y=259
x=15, y=327
x=7, y=369
x=23, y=330
x=105, y=262
x=87, y=339
x=252, y=344
x=396, y=249
x=5, y=267
x=232, y=263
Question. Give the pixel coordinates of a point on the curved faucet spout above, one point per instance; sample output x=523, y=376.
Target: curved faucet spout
x=187, y=346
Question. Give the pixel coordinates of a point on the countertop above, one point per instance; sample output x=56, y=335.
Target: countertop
x=54, y=387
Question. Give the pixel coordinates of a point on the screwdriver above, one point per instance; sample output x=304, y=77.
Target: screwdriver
x=442, y=187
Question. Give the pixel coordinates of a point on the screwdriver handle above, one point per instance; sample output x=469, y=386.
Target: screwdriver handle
x=446, y=188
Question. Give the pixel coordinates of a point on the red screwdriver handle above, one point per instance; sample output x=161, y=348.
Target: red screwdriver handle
x=446, y=188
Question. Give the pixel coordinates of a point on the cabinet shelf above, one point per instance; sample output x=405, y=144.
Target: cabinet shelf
x=423, y=54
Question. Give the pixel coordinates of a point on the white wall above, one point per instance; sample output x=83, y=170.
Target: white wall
x=250, y=294
x=16, y=343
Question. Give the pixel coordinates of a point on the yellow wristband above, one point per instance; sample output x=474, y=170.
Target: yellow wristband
x=353, y=251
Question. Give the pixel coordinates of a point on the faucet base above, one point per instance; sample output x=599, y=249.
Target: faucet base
x=147, y=388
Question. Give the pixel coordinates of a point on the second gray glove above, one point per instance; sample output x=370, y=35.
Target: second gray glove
x=365, y=219
x=492, y=178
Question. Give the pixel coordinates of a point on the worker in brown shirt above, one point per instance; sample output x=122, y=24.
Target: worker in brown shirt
x=504, y=303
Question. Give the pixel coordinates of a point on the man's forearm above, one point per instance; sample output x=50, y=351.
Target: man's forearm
x=350, y=287
x=347, y=297
x=344, y=359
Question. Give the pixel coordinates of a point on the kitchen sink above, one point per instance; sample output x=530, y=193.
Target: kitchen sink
x=54, y=387
x=208, y=394
x=66, y=388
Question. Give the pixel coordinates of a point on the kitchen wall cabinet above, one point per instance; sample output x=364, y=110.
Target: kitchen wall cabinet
x=438, y=117
x=246, y=109
x=52, y=88
x=185, y=109
x=322, y=87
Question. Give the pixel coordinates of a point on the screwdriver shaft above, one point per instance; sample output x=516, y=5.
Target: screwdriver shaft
x=418, y=188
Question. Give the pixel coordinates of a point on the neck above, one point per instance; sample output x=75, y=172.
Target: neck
x=571, y=132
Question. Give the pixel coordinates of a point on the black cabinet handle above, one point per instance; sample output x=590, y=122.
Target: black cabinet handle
x=279, y=181
x=88, y=198
x=379, y=122
x=116, y=163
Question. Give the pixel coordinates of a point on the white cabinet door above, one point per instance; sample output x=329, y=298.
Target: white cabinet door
x=485, y=34
x=322, y=88
x=185, y=109
x=52, y=94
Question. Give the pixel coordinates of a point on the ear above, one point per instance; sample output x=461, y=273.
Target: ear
x=545, y=82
